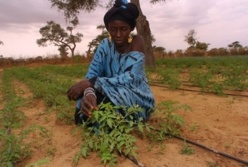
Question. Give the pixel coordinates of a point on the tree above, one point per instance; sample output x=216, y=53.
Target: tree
x=235, y=45
x=56, y=35
x=235, y=48
x=143, y=28
x=63, y=51
x=202, y=46
x=72, y=8
x=95, y=42
x=1, y=43
x=158, y=49
x=190, y=38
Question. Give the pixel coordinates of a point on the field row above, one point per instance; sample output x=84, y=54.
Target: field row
x=50, y=83
x=209, y=74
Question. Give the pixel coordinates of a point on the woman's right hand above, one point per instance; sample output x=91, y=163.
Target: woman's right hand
x=88, y=104
x=77, y=90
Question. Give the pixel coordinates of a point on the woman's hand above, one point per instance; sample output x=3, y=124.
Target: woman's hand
x=76, y=91
x=89, y=104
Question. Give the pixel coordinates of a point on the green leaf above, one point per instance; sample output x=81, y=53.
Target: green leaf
x=90, y=143
x=128, y=130
x=131, y=123
x=76, y=158
x=109, y=122
x=102, y=119
x=141, y=127
x=84, y=152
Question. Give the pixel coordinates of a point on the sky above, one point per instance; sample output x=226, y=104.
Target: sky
x=217, y=22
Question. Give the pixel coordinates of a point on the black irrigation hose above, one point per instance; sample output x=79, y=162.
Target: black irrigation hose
x=208, y=148
x=139, y=164
x=213, y=150
x=162, y=85
x=134, y=160
x=200, y=145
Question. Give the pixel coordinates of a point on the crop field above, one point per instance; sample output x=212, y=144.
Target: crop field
x=200, y=118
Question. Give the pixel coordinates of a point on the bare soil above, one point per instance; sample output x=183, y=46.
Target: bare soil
x=218, y=122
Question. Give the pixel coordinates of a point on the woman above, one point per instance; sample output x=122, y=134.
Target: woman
x=116, y=73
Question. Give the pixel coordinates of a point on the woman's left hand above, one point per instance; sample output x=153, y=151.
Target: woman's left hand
x=76, y=91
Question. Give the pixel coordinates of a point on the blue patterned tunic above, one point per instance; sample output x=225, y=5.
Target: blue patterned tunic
x=121, y=77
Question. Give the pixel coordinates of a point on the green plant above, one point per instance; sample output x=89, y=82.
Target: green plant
x=201, y=79
x=39, y=162
x=186, y=149
x=212, y=164
x=15, y=148
x=110, y=131
x=171, y=122
x=13, y=141
x=170, y=77
x=218, y=89
x=193, y=127
x=51, y=151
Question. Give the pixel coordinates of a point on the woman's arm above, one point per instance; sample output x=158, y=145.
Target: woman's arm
x=95, y=70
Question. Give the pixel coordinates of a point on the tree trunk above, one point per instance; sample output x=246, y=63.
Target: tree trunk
x=143, y=29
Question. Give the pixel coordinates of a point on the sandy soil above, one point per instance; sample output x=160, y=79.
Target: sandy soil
x=218, y=122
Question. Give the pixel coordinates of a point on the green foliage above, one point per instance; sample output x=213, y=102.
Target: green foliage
x=171, y=122
x=109, y=131
x=236, y=77
x=217, y=89
x=96, y=41
x=14, y=147
x=215, y=74
x=170, y=77
x=212, y=164
x=10, y=117
x=72, y=8
x=53, y=93
x=201, y=79
x=112, y=132
x=39, y=163
x=186, y=149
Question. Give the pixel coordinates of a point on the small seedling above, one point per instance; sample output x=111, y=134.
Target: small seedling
x=187, y=150
x=193, y=127
x=212, y=164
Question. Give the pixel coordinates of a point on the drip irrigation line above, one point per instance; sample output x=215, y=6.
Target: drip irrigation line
x=139, y=164
x=134, y=160
x=213, y=150
x=208, y=148
x=191, y=90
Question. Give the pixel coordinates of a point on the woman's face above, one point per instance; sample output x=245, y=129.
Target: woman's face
x=119, y=32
